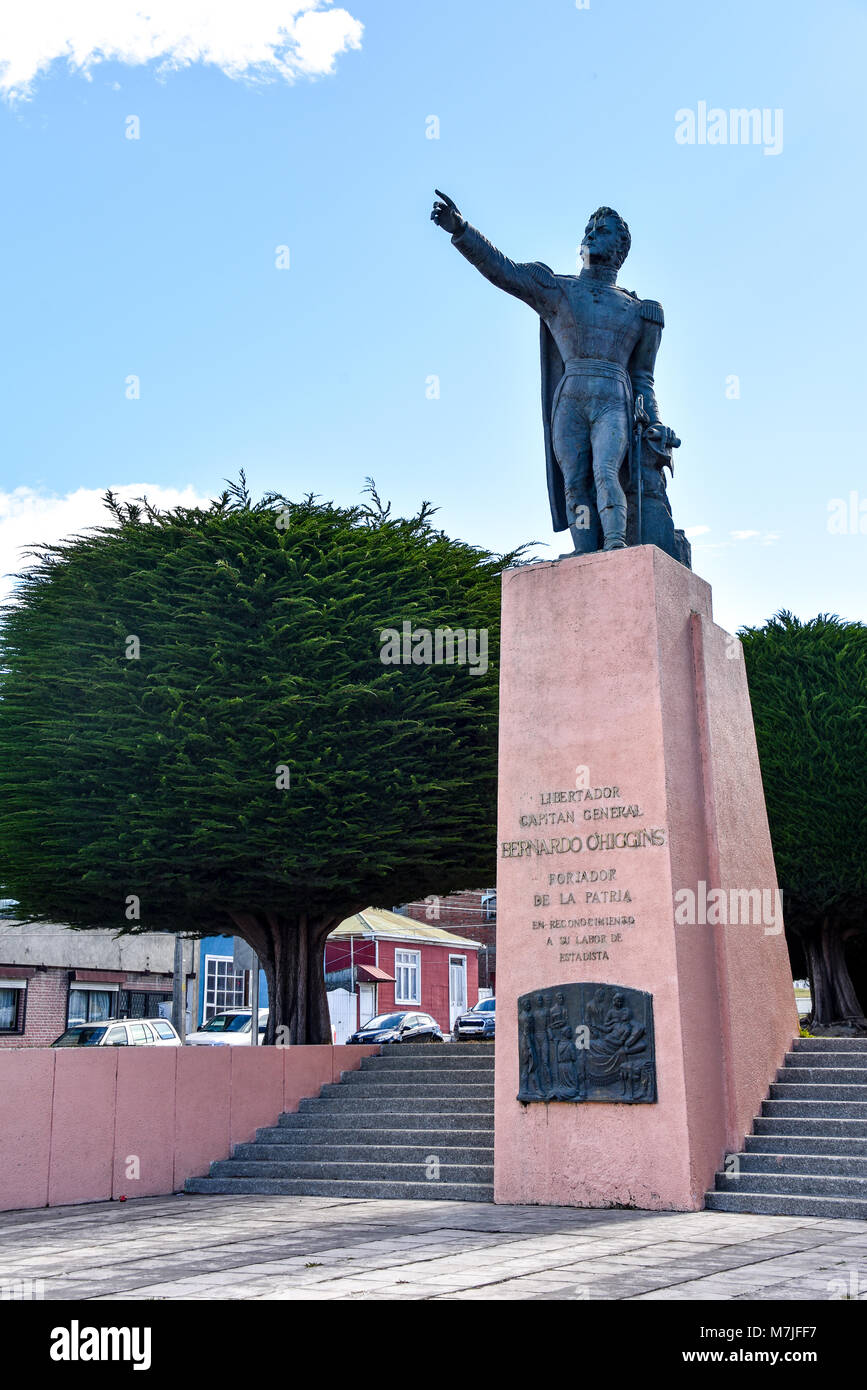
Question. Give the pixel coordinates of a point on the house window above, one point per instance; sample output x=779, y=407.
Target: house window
x=489, y=906
x=90, y=1004
x=13, y=995
x=224, y=986
x=407, y=975
x=140, y=1003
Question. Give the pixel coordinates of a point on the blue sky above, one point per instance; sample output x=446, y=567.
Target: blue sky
x=156, y=258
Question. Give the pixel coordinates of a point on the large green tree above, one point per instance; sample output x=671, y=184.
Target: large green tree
x=197, y=731
x=808, y=685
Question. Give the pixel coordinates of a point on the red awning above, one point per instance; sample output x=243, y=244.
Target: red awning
x=374, y=975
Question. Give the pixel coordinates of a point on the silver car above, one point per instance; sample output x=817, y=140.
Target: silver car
x=231, y=1028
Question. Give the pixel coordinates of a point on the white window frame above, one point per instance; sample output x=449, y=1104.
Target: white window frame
x=211, y=992
x=406, y=964
x=15, y=1032
x=91, y=986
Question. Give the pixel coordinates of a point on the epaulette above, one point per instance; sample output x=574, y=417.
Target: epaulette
x=541, y=272
x=651, y=309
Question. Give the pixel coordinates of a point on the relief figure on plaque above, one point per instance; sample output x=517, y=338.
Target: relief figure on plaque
x=568, y=1079
x=530, y=1088
x=543, y=1046
x=615, y=1040
x=561, y=1050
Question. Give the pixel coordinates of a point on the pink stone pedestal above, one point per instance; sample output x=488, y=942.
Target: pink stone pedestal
x=612, y=663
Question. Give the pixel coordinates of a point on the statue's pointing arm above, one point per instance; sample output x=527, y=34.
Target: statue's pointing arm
x=532, y=282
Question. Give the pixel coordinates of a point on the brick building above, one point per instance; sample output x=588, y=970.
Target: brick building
x=472, y=911
x=51, y=976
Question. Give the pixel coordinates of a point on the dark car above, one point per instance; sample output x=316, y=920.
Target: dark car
x=478, y=1024
x=399, y=1027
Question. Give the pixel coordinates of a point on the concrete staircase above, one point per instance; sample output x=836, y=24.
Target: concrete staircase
x=807, y=1155
x=415, y=1121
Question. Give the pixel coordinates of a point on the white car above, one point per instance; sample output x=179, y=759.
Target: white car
x=120, y=1032
x=228, y=1029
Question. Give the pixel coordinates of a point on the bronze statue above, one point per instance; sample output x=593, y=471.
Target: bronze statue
x=605, y=444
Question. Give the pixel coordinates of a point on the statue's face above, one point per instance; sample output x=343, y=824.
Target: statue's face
x=601, y=242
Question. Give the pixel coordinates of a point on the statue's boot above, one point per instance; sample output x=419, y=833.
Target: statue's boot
x=586, y=539
x=614, y=527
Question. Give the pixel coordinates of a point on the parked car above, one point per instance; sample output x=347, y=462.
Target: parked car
x=399, y=1027
x=120, y=1032
x=478, y=1024
x=231, y=1028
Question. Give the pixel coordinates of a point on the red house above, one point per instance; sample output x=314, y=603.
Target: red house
x=398, y=963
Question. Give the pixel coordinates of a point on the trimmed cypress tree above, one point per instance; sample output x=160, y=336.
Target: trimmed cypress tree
x=808, y=684
x=198, y=733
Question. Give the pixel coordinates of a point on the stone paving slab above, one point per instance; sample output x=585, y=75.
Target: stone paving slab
x=319, y=1249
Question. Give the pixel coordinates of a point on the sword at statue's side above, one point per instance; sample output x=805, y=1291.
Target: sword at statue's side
x=642, y=419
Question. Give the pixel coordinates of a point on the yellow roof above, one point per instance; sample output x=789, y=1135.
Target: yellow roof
x=378, y=921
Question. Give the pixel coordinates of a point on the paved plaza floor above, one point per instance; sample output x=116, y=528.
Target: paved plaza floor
x=271, y=1248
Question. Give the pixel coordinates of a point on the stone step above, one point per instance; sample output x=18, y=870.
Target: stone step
x=356, y=1172
x=402, y=1105
x=794, y=1185
x=410, y=1076
x=805, y=1144
x=310, y=1136
x=423, y=1088
x=365, y=1191
x=802, y=1058
x=447, y=1153
x=807, y=1154
x=402, y=1062
x=815, y=1109
x=370, y=1121
x=831, y=1128
x=374, y=1133
x=826, y=1165
x=823, y=1076
x=784, y=1090
x=768, y=1204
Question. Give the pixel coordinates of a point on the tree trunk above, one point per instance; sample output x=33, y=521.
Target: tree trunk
x=291, y=951
x=833, y=994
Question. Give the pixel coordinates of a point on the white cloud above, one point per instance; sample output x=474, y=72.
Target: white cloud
x=262, y=39
x=766, y=537
x=693, y=531
x=29, y=518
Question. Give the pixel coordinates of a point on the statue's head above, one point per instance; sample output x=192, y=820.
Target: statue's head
x=606, y=239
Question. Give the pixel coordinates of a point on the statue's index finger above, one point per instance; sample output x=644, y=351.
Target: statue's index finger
x=446, y=199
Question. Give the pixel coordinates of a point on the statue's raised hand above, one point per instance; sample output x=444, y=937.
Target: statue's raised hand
x=446, y=214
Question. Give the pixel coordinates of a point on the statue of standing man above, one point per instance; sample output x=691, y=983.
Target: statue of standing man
x=605, y=444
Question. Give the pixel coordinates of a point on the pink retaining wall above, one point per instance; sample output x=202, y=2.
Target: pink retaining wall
x=78, y=1126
